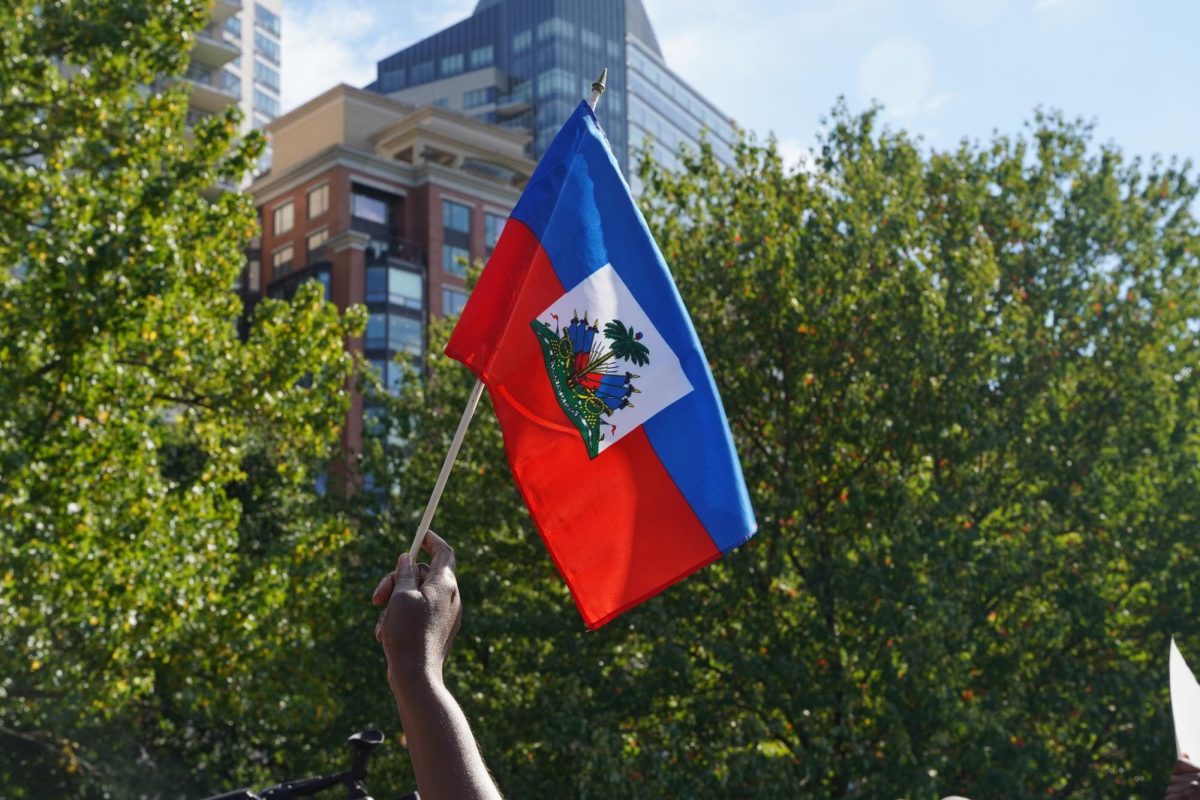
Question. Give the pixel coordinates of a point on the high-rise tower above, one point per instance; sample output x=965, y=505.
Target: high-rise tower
x=525, y=64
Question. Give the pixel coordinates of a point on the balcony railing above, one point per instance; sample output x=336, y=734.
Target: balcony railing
x=284, y=287
x=386, y=247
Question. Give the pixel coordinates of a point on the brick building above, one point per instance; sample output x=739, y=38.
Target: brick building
x=385, y=204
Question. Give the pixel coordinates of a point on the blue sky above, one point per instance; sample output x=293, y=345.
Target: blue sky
x=945, y=69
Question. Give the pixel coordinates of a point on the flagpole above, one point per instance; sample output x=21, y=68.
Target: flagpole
x=435, y=497
x=598, y=87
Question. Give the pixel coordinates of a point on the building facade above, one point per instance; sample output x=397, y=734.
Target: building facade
x=386, y=205
x=526, y=64
x=236, y=60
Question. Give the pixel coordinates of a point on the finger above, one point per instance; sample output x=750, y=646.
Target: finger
x=441, y=558
x=408, y=576
x=384, y=590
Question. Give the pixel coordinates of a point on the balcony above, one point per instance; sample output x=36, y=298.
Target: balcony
x=211, y=49
x=207, y=95
x=386, y=248
x=284, y=287
x=519, y=100
x=224, y=9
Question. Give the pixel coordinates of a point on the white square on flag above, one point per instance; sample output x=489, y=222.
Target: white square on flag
x=604, y=298
x=1185, y=707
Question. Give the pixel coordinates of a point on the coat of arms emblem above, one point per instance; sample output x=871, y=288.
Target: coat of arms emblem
x=590, y=371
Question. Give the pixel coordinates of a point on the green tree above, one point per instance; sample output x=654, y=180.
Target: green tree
x=166, y=568
x=963, y=388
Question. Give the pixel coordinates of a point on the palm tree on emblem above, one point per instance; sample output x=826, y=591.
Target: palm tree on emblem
x=626, y=344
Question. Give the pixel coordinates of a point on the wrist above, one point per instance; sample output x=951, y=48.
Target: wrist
x=414, y=685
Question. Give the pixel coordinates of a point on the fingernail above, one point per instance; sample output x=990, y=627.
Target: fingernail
x=405, y=560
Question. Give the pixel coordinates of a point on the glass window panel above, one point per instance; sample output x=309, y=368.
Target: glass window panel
x=317, y=239
x=495, y=225
x=376, y=336
x=482, y=56
x=455, y=260
x=266, y=75
x=281, y=260
x=266, y=47
x=422, y=73
x=452, y=64
x=404, y=334
x=267, y=19
x=318, y=200
x=369, y=208
x=285, y=218
x=264, y=102
x=406, y=288
x=522, y=41
x=456, y=216
x=555, y=27
x=479, y=97
x=453, y=300
x=377, y=284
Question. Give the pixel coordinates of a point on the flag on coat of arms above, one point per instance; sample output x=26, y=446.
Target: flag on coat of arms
x=612, y=424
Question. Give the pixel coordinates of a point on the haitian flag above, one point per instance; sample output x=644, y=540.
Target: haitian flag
x=612, y=424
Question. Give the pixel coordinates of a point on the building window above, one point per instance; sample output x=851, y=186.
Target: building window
x=555, y=27
x=266, y=47
x=522, y=41
x=394, y=332
x=555, y=81
x=265, y=102
x=422, y=73
x=392, y=81
x=266, y=75
x=318, y=200
x=254, y=279
x=455, y=260
x=479, y=97
x=441, y=102
x=281, y=261
x=456, y=216
x=323, y=278
x=315, y=241
x=233, y=26
x=369, y=208
x=452, y=64
x=453, y=300
x=285, y=218
x=391, y=375
x=395, y=286
x=266, y=19
x=493, y=226
x=482, y=56
x=589, y=39
x=231, y=83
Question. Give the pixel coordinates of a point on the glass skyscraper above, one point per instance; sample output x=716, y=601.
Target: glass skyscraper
x=525, y=65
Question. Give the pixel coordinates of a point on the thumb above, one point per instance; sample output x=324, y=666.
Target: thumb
x=407, y=574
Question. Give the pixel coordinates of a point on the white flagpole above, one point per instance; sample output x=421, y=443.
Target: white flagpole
x=435, y=497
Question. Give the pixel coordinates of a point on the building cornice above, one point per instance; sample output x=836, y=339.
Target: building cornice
x=270, y=187
x=349, y=240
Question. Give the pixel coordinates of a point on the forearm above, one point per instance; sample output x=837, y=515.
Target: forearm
x=445, y=758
